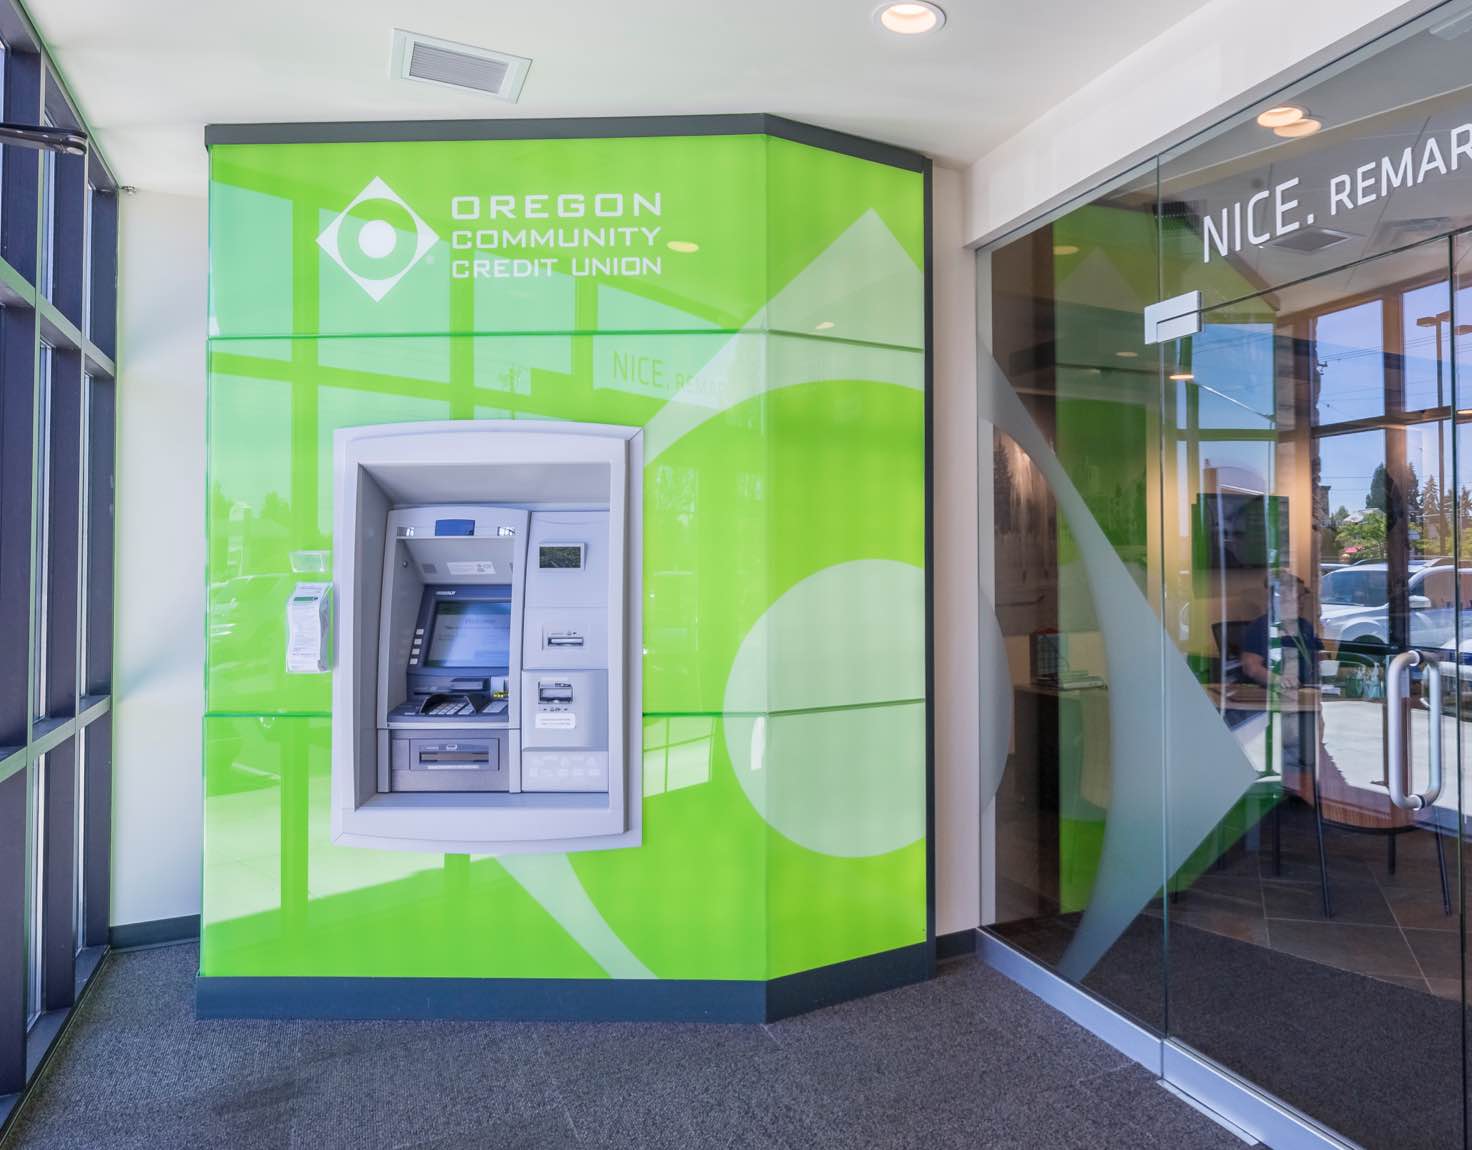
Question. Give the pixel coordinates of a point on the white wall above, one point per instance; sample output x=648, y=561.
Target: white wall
x=158, y=686
x=1224, y=55
x=957, y=851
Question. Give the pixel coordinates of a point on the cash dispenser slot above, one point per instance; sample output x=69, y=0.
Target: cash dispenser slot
x=463, y=763
x=454, y=758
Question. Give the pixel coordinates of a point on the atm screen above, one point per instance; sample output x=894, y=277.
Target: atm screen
x=470, y=633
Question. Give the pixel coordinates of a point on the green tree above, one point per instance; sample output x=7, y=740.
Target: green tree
x=1364, y=539
x=1379, y=496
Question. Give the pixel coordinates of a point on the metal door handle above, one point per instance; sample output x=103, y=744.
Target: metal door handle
x=1397, y=691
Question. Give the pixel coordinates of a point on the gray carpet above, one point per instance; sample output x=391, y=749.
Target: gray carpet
x=967, y=1060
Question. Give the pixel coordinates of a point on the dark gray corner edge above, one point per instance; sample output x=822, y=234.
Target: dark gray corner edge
x=156, y=932
x=955, y=944
x=559, y=128
x=560, y=1000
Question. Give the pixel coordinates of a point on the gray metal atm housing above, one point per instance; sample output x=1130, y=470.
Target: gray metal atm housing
x=486, y=694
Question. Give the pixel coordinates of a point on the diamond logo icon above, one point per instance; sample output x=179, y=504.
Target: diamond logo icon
x=377, y=239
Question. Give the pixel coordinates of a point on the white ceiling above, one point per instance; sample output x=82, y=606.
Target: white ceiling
x=150, y=74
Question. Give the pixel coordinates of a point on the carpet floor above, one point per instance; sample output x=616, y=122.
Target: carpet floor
x=968, y=1059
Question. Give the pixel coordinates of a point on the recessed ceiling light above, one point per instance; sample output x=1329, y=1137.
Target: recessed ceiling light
x=1297, y=129
x=1127, y=354
x=824, y=326
x=1182, y=376
x=1065, y=249
x=682, y=246
x=910, y=19
x=1281, y=116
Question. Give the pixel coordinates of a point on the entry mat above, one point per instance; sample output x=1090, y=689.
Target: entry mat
x=1378, y=1060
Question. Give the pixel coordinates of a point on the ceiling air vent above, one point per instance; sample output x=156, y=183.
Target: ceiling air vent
x=452, y=65
x=1311, y=239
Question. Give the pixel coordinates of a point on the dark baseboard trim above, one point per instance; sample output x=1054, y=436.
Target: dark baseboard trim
x=561, y=1000
x=857, y=978
x=157, y=932
x=957, y=944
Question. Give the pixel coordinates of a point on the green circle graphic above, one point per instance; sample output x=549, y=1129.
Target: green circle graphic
x=825, y=711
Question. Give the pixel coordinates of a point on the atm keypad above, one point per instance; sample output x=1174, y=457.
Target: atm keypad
x=453, y=707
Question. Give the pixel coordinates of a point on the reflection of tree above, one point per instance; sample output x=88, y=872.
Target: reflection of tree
x=1002, y=493
x=1027, y=533
x=1431, y=512
x=1361, y=536
x=250, y=575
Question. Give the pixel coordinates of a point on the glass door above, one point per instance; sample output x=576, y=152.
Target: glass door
x=1314, y=577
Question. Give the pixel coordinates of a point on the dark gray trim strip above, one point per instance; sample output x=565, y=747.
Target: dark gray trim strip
x=560, y=128
x=492, y=999
x=956, y=944
x=843, y=981
x=560, y=1000
x=929, y=558
x=155, y=932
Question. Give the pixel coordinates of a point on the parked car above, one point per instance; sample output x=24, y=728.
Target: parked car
x=1354, y=609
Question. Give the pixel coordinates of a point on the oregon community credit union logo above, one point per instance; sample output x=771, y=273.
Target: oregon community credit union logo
x=377, y=238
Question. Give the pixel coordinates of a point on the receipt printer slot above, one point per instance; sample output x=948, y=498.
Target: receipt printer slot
x=564, y=639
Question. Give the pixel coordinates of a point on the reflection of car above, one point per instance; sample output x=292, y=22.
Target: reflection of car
x=1354, y=609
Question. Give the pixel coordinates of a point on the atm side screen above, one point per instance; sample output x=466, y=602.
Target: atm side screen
x=559, y=556
x=470, y=633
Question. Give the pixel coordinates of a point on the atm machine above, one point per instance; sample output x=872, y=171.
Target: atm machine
x=486, y=689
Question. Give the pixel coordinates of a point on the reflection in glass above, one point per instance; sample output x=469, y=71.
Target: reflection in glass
x=1067, y=341
x=1313, y=561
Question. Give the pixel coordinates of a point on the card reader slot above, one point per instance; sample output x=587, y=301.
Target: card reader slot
x=455, y=758
x=565, y=639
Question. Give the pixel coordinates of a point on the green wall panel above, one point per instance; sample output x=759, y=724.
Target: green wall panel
x=774, y=358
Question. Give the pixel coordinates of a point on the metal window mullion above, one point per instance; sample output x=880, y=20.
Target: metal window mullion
x=41, y=511
x=35, y=878
x=85, y=319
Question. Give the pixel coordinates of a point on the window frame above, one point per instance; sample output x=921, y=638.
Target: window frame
x=58, y=402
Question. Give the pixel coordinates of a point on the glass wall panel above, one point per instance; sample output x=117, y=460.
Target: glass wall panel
x=1312, y=905
x=1074, y=410
x=1459, y=509
x=1375, y=156
x=1306, y=554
